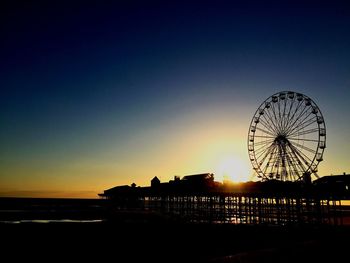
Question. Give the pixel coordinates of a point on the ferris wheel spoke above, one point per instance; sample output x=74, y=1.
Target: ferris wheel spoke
x=263, y=143
x=270, y=124
x=287, y=106
x=283, y=161
x=299, y=163
x=287, y=116
x=265, y=131
x=282, y=109
x=270, y=168
x=280, y=114
x=268, y=162
x=295, y=144
x=268, y=153
x=305, y=158
x=277, y=158
x=306, y=140
x=296, y=118
x=274, y=114
x=262, y=155
x=290, y=167
x=295, y=112
x=262, y=150
x=282, y=164
x=314, y=130
x=266, y=126
x=264, y=136
x=271, y=120
x=303, y=122
x=290, y=108
x=294, y=164
x=301, y=111
x=276, y=163
x=283, y=119
x=298, y=168
x=303, y=126
x=279, y=110
x=302, y=155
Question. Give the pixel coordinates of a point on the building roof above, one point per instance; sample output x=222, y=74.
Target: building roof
x=155, y=179
x=204, y=176
x=333, y=179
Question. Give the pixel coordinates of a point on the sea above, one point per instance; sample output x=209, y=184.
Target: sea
x=51, y=210
x=85, y=211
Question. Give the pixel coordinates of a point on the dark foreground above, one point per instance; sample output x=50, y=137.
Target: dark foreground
x=171, y=242
x=139, y=236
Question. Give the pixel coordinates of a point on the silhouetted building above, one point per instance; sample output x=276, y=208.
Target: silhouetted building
x=117, y=190
x=199, y=178
x=155, y=182
x=338, y=185
x=204, y=183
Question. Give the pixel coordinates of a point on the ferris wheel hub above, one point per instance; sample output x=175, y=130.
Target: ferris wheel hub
x=281, y=139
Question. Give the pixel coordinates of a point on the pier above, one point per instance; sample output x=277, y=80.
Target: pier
x=198, y=198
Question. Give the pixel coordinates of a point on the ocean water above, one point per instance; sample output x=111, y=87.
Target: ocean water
x=47, y=210
x=95, y=211
x=46, y=221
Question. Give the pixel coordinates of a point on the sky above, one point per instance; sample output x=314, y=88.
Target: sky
x=102, y=93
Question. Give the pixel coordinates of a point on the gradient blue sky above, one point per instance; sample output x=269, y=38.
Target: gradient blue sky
x=96, y=94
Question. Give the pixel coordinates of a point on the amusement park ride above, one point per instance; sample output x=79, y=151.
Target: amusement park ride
x=287, y=138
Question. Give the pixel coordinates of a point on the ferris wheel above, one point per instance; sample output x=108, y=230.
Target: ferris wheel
x=287, y=137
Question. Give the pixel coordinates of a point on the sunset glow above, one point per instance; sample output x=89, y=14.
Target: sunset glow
x=234, y=169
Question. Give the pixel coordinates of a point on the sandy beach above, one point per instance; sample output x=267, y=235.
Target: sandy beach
x=79, y=230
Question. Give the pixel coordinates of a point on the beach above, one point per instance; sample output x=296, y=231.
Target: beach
x=136, y=236
x=173, y=242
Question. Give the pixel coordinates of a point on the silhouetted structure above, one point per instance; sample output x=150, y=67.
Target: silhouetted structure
x=155, y=182
x=287, y=138
x=198, y=198
x=338, y=186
